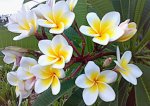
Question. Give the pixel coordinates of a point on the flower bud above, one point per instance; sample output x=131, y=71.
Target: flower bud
x=107, y=62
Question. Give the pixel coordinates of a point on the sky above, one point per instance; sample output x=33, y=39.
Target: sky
x=12, y=6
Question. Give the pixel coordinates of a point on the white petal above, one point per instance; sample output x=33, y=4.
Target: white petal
x=22, y=35
x=46, y=60
x=86, y=30
x=46, y=23
x=29, y=84
x=15, y=28
x=60, y=63
x=27, y=62
x=66, y=52
x=42, y=85
x=40, y=71
x=118, y=54
x=58, y=29
x=127, y=75
x=24, y=73
x=51, y=3
x=55, y=86
x=92, y=71
x=102, y=40
x=94, y=21
x=126, y=57
x=72, y=4
x=108, y=76
x=106, y=93
x=90, y=95
x=113, y=17
x=60, y=73
x=117, y=33
x=135, y=70
x=59, y=40
x=12, y=78
x=45, y=46
x=9, y=59
x=83, y=82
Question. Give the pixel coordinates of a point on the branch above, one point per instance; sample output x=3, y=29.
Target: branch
x=43, y=33
x=71, y=44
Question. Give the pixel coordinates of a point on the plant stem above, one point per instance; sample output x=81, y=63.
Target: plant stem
x=82, y=37
x=43, y=33
x=38, y=36
x=71, y=44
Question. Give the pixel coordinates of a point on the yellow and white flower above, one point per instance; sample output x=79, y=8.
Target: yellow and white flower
x=21, y=91
x=24, y=71
x=105, y=30
x=129, y=71
x=57, y=52
x=57, y=17
x=95, y=82
x=72, y=4
x=46, y=77
x=24, y=22
x=129, y=30
x=11, y=57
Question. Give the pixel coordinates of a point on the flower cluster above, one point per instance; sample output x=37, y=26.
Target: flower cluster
x=56, y=55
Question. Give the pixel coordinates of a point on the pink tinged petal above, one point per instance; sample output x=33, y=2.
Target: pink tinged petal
x=22, y=35
x=127, y=75
x=110, y=19
x=24, y=73
x=27, y=62
x=108, y=76
x=29, y=83
x=102, y=40
x=135, y=70
x=55, y=86
x=68, y=19
x=90, y=95
x=46, y=23
x=83, y=82
x=12, y=78
x=106, y=93
x=118, y=54
x=92, y=71
x=66, y=52
x=42, y=84
x=45, y=47
x=46, y=60
x=60, y=63
x=126, y=57
x=86, y=30
x=115, y=33
x=41, y=72
x=58, y=29
x=94, y=21
x=51, y=3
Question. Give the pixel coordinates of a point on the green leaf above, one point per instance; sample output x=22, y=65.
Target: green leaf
x=75, y=99
x=46, y=98
x=142, y=89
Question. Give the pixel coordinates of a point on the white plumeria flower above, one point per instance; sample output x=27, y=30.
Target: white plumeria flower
x=57, y=17
x=46, y=77
x=72, y=4
x=105, y=30
x=129, y=30
x=24, y=71
x=21, y=91
x=25, y=22
x=95, y=82
x=11, y=57
x=57, y=52
x=129, y=71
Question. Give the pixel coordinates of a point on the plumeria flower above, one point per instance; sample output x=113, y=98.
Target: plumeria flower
x=72, y=4
x=129, y=71
x=21, y=91
x=57, y=17
x=24, y=71
x=129, y=30
x=57, y=52
x=105, y=30
x=25, y=22
x=46, y=77
x=95, y=82
x=12, y=56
